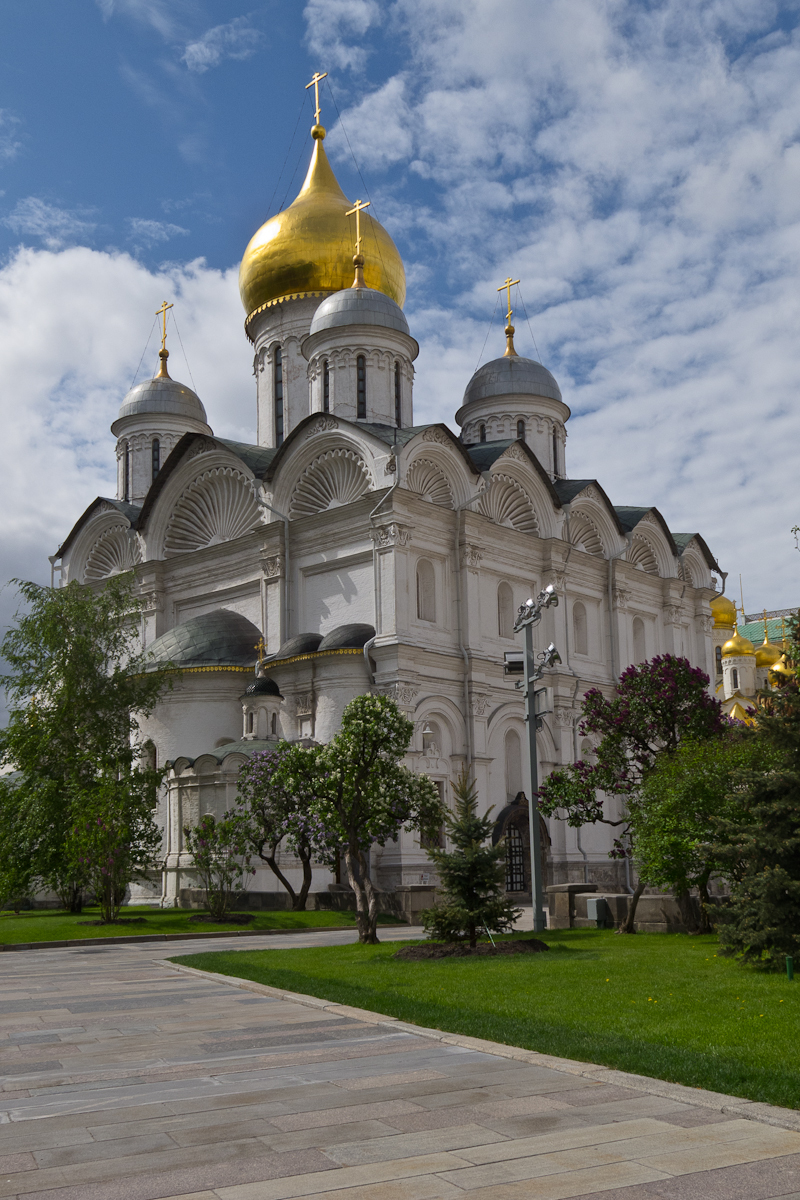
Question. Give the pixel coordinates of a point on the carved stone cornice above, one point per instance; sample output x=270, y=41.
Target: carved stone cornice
x=565, y=718
x=435, y=435
x=673, y=614
x=478, y=704
x=303, y=704
x=621, y=597
x=401, y=692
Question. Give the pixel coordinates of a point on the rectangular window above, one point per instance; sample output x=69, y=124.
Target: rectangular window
x=156, y=457
x=361, y=378
x=326, y=387
x=278, y=396
x=127, y=468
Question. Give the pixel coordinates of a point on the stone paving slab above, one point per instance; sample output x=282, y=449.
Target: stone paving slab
x=125, y=1077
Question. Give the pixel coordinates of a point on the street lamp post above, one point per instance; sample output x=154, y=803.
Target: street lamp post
x=537, y=701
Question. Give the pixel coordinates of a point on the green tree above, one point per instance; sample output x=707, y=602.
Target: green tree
x=281, y=815
x=221, y=857
x=365, y=796
x=76, y=684
x=472, y=874
x=760, y=849
x=655, y=706
x=680, y=798
x=16, y=866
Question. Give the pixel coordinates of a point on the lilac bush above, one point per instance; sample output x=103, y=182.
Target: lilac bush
x=221, y=857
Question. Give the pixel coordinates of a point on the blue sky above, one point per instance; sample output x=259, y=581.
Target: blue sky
x=636, y=164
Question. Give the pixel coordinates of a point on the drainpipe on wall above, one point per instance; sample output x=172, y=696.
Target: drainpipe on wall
x=382, y=500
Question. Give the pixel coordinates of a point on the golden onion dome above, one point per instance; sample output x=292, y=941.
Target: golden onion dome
x=724, y=611
x=767, y=653
x=781, y=670
x=737, y=646
x=308, y=248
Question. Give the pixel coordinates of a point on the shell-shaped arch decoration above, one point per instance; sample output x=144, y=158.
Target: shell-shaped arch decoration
x=584, y=534
x=430, y=483
x=115, y=551
x=218, y=506
x=335, y=478
x=641, y=556
x=507, y=503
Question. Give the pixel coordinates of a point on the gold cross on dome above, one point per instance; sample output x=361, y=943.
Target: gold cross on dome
x=162, y=312
x=315, y=82
x=357, y=207
x=509, y=283
x=260, y=647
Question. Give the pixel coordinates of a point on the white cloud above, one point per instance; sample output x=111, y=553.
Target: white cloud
x=162, y=15
x=150, y=233
x=336, y=29
x=9, y=145
x=238, y=40
x=639, y=168
x=53, y=226
x=73, y=325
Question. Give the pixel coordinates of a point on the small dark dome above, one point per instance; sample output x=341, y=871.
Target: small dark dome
x=263, y=687
x=303, y=643
x=347, y=637
x=359, y=306
x=218, y=638
x=512, y=376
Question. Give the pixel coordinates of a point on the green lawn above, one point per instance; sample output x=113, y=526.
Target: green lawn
x=45, y=925
x=662, y=1005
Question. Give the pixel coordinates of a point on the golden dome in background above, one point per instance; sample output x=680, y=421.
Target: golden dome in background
x=737, y=646
x=767, y=653
x=724, y=611
x=782, y=669
x=309, y=247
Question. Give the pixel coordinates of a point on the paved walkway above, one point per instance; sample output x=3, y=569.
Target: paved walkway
x=127, y=1080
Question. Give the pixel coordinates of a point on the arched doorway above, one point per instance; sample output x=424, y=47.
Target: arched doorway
x=512, y=824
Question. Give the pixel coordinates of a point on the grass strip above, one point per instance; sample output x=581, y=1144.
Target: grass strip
x=46, y=925
x=662, y=1005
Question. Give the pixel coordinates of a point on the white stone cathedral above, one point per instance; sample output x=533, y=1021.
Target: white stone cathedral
x=370, y=553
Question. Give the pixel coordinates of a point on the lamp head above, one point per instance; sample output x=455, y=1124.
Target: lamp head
x=551, y=656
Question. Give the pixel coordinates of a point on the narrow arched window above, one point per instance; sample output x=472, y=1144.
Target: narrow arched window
x=505, y=611
x=639, y=648
x=278, y=391
x=520, y=430
x=250, y=721
x=426, y=591
x=735, y=675
x=274, y=724
x=718, y=658
x=156, y=451
x=397, y=415
x=326, y=387
x=483, y=433
x=580, y=629
x=555, y=452
x=361, y=388
x=126, y=490
x=513, y=748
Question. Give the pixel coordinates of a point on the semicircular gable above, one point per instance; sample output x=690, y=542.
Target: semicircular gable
x=331, y=480
x=507, y=502
x=650, y=550
x=428, y=480
x=642, y=555
x=585, y=535
x=693, y=568
x=217, y=506
x=115, y=551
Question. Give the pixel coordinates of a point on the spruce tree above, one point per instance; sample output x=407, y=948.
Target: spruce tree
x=760, y=848
x=472, y=875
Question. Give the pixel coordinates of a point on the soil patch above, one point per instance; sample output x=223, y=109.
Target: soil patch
x=232, y=919
x=464, y=950
x=119, y=921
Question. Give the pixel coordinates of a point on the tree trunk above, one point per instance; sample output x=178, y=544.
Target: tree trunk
x=304, y=854
x=687, y=912
x=628, y=925
x=366, y=898
x=705, y=899
x=269, y=859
